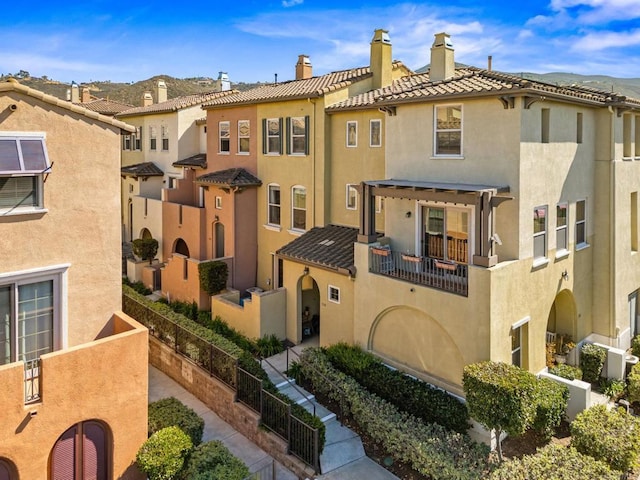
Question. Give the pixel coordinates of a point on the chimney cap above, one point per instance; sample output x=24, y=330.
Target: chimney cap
x=442, y=39
x=380, y=35
x=303, y=58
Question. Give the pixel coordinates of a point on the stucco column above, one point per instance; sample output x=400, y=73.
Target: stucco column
x=367, y=231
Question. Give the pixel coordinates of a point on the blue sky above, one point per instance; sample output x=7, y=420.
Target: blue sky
x=253, y=40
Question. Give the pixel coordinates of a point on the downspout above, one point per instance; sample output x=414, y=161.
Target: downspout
x=313, y=166
x=612, y=210
x=235, y=234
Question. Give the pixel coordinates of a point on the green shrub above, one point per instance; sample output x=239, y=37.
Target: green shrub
x=407, y=393
x=551, y=404
x=169, y=412
x=137, y=286
x=145, y=248
x=554, y=462
x=635, y=346
x=429, y=448
x=213, y=276
x=188, y=309
x=162, y=456
x=213, y=461
x=612, y=436
x=633, y=383
x=268, y=346
x=501, y=397
x=566, y=371
x=612, y=387
x=222, y=328
x=592, y=359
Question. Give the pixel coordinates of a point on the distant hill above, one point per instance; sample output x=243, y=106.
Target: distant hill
x=130, y=93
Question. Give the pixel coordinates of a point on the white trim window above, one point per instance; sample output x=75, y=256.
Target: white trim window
x=273, y=208
x=352, y=197
x=218, y=203
x=298, y=135
x=201, y=190
x=224, y=134
x=126, y=142
x=352, y=134
x=244, y=136
x=540, y=232
x=333, y=294
x=273, y=135
x=562, y=227
x=153, y=142
x=516, y=346
x=448, y=130
x=165, y=138
x=299, y=208
x=23, y=163
x=375, y=133
x=581, y=223
x=136, y=139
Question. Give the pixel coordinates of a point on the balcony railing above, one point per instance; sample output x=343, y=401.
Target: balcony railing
x=32, y=381
x=431, y=272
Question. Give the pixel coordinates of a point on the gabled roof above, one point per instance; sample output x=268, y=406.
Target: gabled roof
x=13, y=85
x=146, y=169
x=199, y=160
x=231, y=177
x=105, y=106
x=175, y=104
x=307, y=88
x=329, y=247
x=474, y=82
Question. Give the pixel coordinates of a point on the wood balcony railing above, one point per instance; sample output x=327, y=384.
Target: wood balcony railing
x=431, y=272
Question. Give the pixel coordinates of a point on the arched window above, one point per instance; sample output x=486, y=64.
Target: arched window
x=81, y=453
x=145, y=234
x=7, y=470
x=181, y=247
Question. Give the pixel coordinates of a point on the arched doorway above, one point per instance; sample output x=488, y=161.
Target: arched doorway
x=219, y=240
x=7, y=470
x=562, y=322
x=180, y=246
x=81, y=452
x=308, y=307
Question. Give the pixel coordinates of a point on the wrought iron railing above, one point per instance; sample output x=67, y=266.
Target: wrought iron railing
x=268, y=472
x=32, y=376
x=431, y=272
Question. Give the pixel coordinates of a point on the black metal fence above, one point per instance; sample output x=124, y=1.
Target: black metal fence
x=275, y=413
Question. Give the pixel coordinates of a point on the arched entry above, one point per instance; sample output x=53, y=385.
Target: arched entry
x=81, y=452
x=7, y=470
x=408, y=336
x=562, y=315
x=308, y=306
x=145, y=234
x=219, y=240
x=180, y=246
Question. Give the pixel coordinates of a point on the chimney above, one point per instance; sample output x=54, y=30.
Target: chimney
x=303, y=68
x=489, y=62
x=380, y=62
x=68, y=94
x=147, y=99
x=222, y=83
x=442, y=63
x=75, y=93
x=161, y=91
x=86, y=95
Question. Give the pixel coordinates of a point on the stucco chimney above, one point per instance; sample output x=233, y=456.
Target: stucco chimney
x=75, y=93
x=303, y=68
x=147, y=99
x=380, y=61
x=161, y=91
x=86, y=95
x=443, y=65
x=222, y=83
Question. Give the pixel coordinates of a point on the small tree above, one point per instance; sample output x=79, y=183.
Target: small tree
x=501, y=397
x=145, y=248
x=592, y=359
x=213, y=276
x=162, y=456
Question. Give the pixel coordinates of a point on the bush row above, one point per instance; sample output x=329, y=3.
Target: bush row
x=566, y=371
x=633, y=383
x=137, y=286
x=429, y=448
x=409, y=394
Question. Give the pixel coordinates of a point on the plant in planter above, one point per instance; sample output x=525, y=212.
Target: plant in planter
x=564, y=345
x=145, y=248
x=551, y=354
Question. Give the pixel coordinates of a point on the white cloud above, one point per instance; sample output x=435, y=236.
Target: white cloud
x=597, y=41
x=291, y=3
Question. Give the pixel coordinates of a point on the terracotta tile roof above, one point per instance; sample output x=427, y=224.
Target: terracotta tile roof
x=176, y=104
x=307, y=88
x=232, y=177
x=199, y=160
x=13, y=85
x=471, y=81
x=146, y=169
x=105, y=106
x=329, y=247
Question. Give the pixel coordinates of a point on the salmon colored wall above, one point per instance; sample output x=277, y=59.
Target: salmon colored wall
x=217, y=161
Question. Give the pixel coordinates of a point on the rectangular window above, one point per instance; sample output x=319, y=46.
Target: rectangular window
x=448, y=130
x=375, y=133
x=165, y=138
x=200, y=196
x=299, y=208
x=445, y=233
x=562, y=234
x=273, y=136
x=171, y=182
x=298, y=135
x=352, y=197
x=544, y=125
x=352, y=134
x=219, y=203
x=581, y=223
x=334, y=294
x=579, y=127
x=516, y=346
x=152, y=138
x=634, y=221
x=379, y=204
x=274, y=205
x=244, y=132
x=539, y=232
x=138, y=140
x=224, y=135
x=126, y=142
x=626, y=135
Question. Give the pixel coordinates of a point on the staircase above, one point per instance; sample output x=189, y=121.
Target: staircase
x=342, y=445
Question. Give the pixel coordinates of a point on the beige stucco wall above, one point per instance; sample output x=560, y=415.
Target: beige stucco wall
x=147, y=213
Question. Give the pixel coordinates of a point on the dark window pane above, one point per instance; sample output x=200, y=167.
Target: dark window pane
x=9, y=160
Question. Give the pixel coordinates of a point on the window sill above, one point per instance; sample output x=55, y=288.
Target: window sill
x=243, y=153
x=582, y=246
x=22, y=211
x=375, y=146
x=272, y=154
x=273, y=228
x=297, y=154
x=223, y=153
x=296, y=232
x=539, y=263
x=447, y=157
x=560, y=254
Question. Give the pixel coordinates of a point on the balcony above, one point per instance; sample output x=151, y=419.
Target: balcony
x=428, y=271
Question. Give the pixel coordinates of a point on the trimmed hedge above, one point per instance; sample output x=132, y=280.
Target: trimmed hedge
x=592, y=359
x=137, y=286
x=551, y=404
x=162, y=456
x=409, y=394
x=566, y=371
x=635, y=346
x=555, y=462
x=213, y=276
x=169, y=412
x=612, y=436
x=213, y=461
x=429, y=448
x=633, y=383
